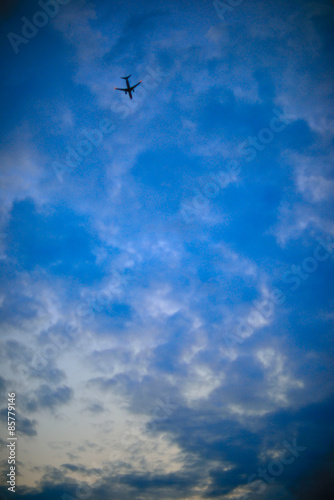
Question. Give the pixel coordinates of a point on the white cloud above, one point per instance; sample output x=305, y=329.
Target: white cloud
x=21, y=171
x=279, y=380
x=200, y=382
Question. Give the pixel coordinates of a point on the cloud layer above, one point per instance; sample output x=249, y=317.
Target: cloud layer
x=166, y=301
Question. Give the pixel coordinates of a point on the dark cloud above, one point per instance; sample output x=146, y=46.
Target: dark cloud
x=122, y=487
x=143, y=397
x=23, y=425
x=49, y=374
x=18, y=352
x=318, y=482
x=50, y=398
x=74, y=468
x=26, y=426
x=95, y=408
x=46, y=397
x=2, y=386
x=159, y=347
x=81, y=468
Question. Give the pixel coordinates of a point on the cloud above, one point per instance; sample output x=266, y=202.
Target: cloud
x=47, y=397
x=95, y=408
x=81, y=469
x=24, y=426
x=3, y=385
x=182, y=415
x=21, y=172
x=317, y=484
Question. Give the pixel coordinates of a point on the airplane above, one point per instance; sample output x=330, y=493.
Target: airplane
x=128, y=89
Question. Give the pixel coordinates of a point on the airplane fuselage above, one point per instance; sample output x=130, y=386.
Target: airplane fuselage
x=129, y=88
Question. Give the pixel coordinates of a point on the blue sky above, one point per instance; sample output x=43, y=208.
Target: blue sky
x=166, y=300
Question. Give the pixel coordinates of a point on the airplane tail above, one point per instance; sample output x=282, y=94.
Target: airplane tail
x=125, y=77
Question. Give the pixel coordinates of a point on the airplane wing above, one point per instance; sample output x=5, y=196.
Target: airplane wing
x=135, y=85
x=124, y=90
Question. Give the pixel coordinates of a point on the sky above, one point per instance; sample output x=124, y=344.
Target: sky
x=166, y=301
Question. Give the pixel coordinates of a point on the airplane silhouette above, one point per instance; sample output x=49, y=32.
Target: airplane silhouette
x=128, y=89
